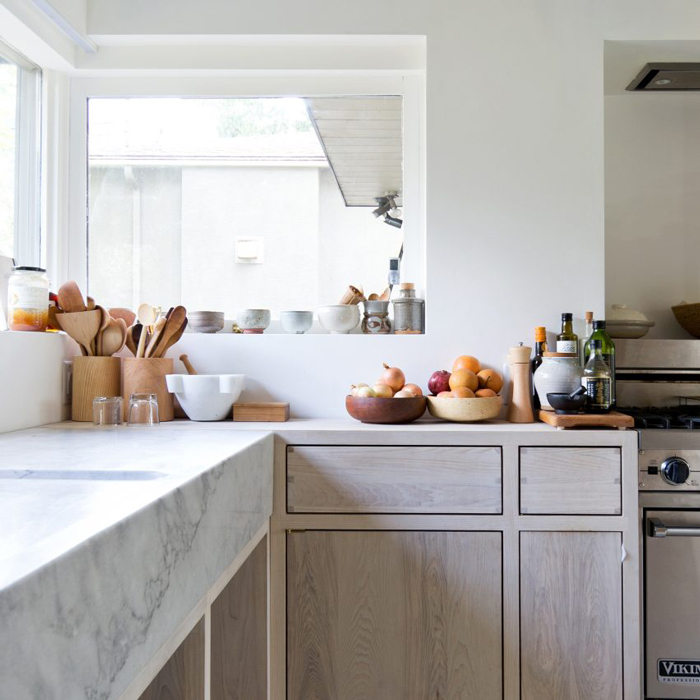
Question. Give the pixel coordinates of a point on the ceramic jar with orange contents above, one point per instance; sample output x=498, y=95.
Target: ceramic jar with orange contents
x=28, y=299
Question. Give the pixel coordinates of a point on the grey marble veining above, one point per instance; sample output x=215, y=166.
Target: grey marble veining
x=108, y=539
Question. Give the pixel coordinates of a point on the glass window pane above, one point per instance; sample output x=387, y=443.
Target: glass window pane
x=222, y=204
x=8, y=147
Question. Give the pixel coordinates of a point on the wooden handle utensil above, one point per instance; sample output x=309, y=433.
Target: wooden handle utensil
x=188, y=365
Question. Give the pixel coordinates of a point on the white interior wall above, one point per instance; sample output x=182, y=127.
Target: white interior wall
x=652, y=204
x=514, y=169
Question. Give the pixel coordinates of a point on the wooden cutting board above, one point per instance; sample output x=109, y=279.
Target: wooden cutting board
x=587, y=420
x=261, y=412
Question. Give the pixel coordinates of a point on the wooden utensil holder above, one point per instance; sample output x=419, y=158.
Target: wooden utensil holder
x=93, y=377
x=147, y=376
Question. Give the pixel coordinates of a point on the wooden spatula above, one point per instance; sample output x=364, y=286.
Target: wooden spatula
x=82, y=326
x=174, y=328
x=70, y=299
x=155, y=336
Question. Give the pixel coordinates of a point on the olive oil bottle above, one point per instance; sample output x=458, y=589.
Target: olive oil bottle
x=607, y=351
x=540, y=347
x=567, y=340
x=597, y=379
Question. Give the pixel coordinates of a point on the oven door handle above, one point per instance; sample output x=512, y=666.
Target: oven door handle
x=658, y=529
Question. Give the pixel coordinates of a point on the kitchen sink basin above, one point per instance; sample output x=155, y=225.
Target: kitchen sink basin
x=82, y=474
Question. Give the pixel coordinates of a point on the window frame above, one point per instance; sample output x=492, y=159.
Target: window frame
x=28, y=246
x=407, y=84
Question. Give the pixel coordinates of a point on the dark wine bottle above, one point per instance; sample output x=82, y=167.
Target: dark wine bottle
x=607, y=351
x=540, y=347
x=567, y=340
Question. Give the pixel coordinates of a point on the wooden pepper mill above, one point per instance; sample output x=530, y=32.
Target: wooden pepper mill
x=520, y=406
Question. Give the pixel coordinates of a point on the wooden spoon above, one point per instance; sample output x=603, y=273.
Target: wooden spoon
x=155, y=336
x=147, y=317
x=70, y=299
x=90, y=303
x=188, y=365
x=127, y=314
x=113, y=337
x=132, y=337
x=174, y=328
x=105, y=318
x=82, y=326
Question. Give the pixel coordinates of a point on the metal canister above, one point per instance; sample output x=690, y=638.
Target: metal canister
x=409, y=312
x=376, y=317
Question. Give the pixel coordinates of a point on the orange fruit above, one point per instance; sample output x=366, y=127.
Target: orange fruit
x=485, y=393
x=490, y=379
x=461, y=392
x=467, y=362
x=464, y=378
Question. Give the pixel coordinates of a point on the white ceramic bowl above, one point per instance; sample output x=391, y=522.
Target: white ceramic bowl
x=205, y=321
x=253, y=320
x=206, y=397
x=296, y=321
x=339, y=318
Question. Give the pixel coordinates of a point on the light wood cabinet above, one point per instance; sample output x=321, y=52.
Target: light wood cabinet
x=393, y=615
x=571, y=615
x=570, y=481
x=357, y=479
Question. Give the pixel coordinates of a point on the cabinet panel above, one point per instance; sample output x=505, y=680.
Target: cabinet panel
x=344, y=479
x=182, y=677
x=571, y=615
x=394, y=615
x=570, y=480
x=239, y=632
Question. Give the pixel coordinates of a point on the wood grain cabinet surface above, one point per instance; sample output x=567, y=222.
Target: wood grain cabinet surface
x=360, y=479
x=570, y=481
x=394, y=615
x=571, y=616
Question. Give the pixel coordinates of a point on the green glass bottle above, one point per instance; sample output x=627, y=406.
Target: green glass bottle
x=597, y=379
x=607, y=350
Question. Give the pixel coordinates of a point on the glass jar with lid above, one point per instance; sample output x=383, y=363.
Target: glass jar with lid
x=28, y=299
x=409, y=311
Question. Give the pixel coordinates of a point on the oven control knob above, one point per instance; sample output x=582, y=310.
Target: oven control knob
x=675, y=471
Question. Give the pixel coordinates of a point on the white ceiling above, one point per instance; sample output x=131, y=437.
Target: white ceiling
x=362, y=138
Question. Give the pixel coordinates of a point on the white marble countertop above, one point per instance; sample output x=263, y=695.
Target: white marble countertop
x=109, y=538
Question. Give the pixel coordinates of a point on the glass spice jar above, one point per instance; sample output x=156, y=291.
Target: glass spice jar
x=28, y=299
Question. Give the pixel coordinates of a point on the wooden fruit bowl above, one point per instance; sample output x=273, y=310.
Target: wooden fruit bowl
x=373, y=410
x=465, y=410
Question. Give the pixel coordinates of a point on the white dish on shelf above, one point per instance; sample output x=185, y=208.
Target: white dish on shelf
x=296, y=322
x=339, y=318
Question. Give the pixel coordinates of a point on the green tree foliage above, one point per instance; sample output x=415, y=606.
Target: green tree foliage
x=258, y=116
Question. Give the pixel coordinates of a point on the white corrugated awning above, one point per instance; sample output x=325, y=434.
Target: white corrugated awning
x=363, y=141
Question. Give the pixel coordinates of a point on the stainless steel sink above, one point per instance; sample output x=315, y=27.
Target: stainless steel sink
x=82, y=474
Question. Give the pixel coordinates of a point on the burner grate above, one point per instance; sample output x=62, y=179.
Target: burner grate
x=668, y=418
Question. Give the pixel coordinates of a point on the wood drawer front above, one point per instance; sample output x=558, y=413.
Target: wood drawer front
x=570, y=481
x=447, y=480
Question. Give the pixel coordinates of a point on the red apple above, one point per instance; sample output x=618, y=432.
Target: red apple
x=439, y=381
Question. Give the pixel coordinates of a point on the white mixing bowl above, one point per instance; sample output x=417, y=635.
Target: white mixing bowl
x=206, y=397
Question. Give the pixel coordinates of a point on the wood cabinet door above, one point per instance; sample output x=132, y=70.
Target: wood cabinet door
x=570, y=615
x=394, y=615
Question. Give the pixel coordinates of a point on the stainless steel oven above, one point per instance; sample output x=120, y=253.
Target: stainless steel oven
x=658, y=382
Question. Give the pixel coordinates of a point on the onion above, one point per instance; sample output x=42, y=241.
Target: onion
x=355, y=388
x=365, y=392
x=392, y=376
x=414, y=389
x=383, y=391
x=404, y=394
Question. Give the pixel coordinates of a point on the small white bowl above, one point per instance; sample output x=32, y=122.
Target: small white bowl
x=253, y=320
x=205, y=321
x=296, y=321
x=339, y=318
x=206, y=397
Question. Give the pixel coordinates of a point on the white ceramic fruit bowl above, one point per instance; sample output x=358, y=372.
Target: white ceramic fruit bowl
x=339, y=318
x=465, y=410
x=206, y=397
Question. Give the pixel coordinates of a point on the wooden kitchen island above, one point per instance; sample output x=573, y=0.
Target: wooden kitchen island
x=444, y=561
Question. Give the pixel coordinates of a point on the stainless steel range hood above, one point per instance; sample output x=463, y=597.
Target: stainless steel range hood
x=667, y=76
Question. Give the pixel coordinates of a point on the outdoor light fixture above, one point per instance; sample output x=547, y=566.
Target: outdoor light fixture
x=388, y=209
